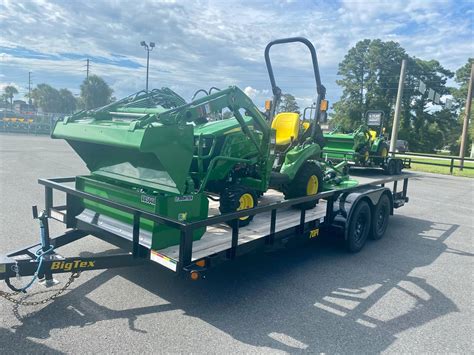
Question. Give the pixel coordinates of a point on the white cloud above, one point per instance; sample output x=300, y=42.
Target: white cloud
x=202, y=43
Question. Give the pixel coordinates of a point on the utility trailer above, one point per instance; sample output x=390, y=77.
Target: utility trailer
x=358, y=213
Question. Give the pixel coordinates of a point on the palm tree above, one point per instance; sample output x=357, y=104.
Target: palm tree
x=10, y=91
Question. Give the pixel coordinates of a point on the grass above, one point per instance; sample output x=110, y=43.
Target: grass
x=441, y=169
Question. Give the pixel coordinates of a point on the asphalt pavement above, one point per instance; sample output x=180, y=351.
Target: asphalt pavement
x=412, y=291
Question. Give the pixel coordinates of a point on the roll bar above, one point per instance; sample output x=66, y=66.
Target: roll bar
x=320, y=89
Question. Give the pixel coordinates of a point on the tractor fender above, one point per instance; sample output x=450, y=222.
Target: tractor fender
x=297, y=156
x=346, y=203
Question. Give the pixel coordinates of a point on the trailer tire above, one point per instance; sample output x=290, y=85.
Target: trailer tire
x=309, y=173
x=235, y=198
x=359, y=227
x=380, y=218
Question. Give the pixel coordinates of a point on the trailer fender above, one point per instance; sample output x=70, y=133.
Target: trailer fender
x=347, y=202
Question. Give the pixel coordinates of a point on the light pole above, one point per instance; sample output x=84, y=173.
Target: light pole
x=148, y=49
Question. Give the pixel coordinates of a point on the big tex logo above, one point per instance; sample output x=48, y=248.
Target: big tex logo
x=68, y=266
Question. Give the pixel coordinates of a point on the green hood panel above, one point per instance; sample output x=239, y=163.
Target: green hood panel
x=221, y=127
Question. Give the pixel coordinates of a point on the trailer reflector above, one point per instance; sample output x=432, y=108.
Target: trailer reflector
x=163, y=260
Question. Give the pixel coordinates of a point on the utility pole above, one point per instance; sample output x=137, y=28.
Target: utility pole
x=87, y=69
x=29, y=90
x=467, y=114
x=398, y=104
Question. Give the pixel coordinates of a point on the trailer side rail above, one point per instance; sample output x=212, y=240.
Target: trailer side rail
x=22, y=262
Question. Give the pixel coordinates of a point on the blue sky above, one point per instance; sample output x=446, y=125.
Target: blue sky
x=200, y=44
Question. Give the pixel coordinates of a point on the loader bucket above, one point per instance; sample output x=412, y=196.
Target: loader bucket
x=157, y=157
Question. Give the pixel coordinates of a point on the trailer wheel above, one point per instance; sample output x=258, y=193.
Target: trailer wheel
x=308, y=181
x=359, y=227
x=391, y=167
x=380, y=218
x=236, y=198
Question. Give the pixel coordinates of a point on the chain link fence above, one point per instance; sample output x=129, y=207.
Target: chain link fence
x=29, y=123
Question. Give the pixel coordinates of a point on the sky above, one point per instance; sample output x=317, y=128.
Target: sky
x=200, y=44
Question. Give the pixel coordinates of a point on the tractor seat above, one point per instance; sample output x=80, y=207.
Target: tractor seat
x=373, y=134
x=287, y=126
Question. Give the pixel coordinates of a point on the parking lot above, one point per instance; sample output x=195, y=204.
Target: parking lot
x=411, y=291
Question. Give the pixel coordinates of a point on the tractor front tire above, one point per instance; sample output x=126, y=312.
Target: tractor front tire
x=236, y=198
x=308, y=181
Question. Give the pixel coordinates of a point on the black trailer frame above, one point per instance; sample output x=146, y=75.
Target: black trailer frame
x=24, y=262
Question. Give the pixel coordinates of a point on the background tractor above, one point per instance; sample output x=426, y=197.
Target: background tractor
x=366, y=146
x=155, y=152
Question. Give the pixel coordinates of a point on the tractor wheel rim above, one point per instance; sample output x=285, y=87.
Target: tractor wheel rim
x=245, y=202
x=384, y=152
x=312, y=185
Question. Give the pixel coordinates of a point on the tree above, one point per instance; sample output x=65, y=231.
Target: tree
x=95, y=92
x=462, y=77
x=424, y=128
x=9, y=92
x=68, y=101
x=288, y=104
x=370, y=73
x=47, y=98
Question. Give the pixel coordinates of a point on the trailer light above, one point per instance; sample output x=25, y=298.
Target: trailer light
x=201, y=263
x=194, y=275
x=268, y=105
x=324, y=105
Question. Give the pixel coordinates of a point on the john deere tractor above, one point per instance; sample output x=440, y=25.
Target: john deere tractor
x=155, y=152
x=366, y=146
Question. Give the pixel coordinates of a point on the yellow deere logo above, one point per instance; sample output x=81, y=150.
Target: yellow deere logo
x=313, y=233
x=62, y=265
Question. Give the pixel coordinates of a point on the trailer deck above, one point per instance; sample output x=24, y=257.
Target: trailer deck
x=275, y=221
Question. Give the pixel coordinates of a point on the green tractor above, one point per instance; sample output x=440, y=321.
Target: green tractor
x=155, y=152
x=367, y=146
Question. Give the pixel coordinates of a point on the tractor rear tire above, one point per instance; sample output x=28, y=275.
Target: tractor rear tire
x=391, y=167
x=235, y=198
x=308, y=181
x=359, y=227
x=399, y=166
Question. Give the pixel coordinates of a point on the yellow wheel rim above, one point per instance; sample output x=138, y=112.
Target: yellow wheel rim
x=366, y=155
x=384, y=152
x=245, y=202
x=312, y=186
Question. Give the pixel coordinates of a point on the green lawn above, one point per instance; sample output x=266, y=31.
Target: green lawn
x=441, y=169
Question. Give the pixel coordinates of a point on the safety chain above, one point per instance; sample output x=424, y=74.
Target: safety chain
x=10, y=296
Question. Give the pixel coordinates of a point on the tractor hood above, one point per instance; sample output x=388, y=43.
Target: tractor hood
x=155, y=157
x=221, y=127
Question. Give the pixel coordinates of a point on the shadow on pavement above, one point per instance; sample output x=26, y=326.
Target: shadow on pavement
x=315, y=298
